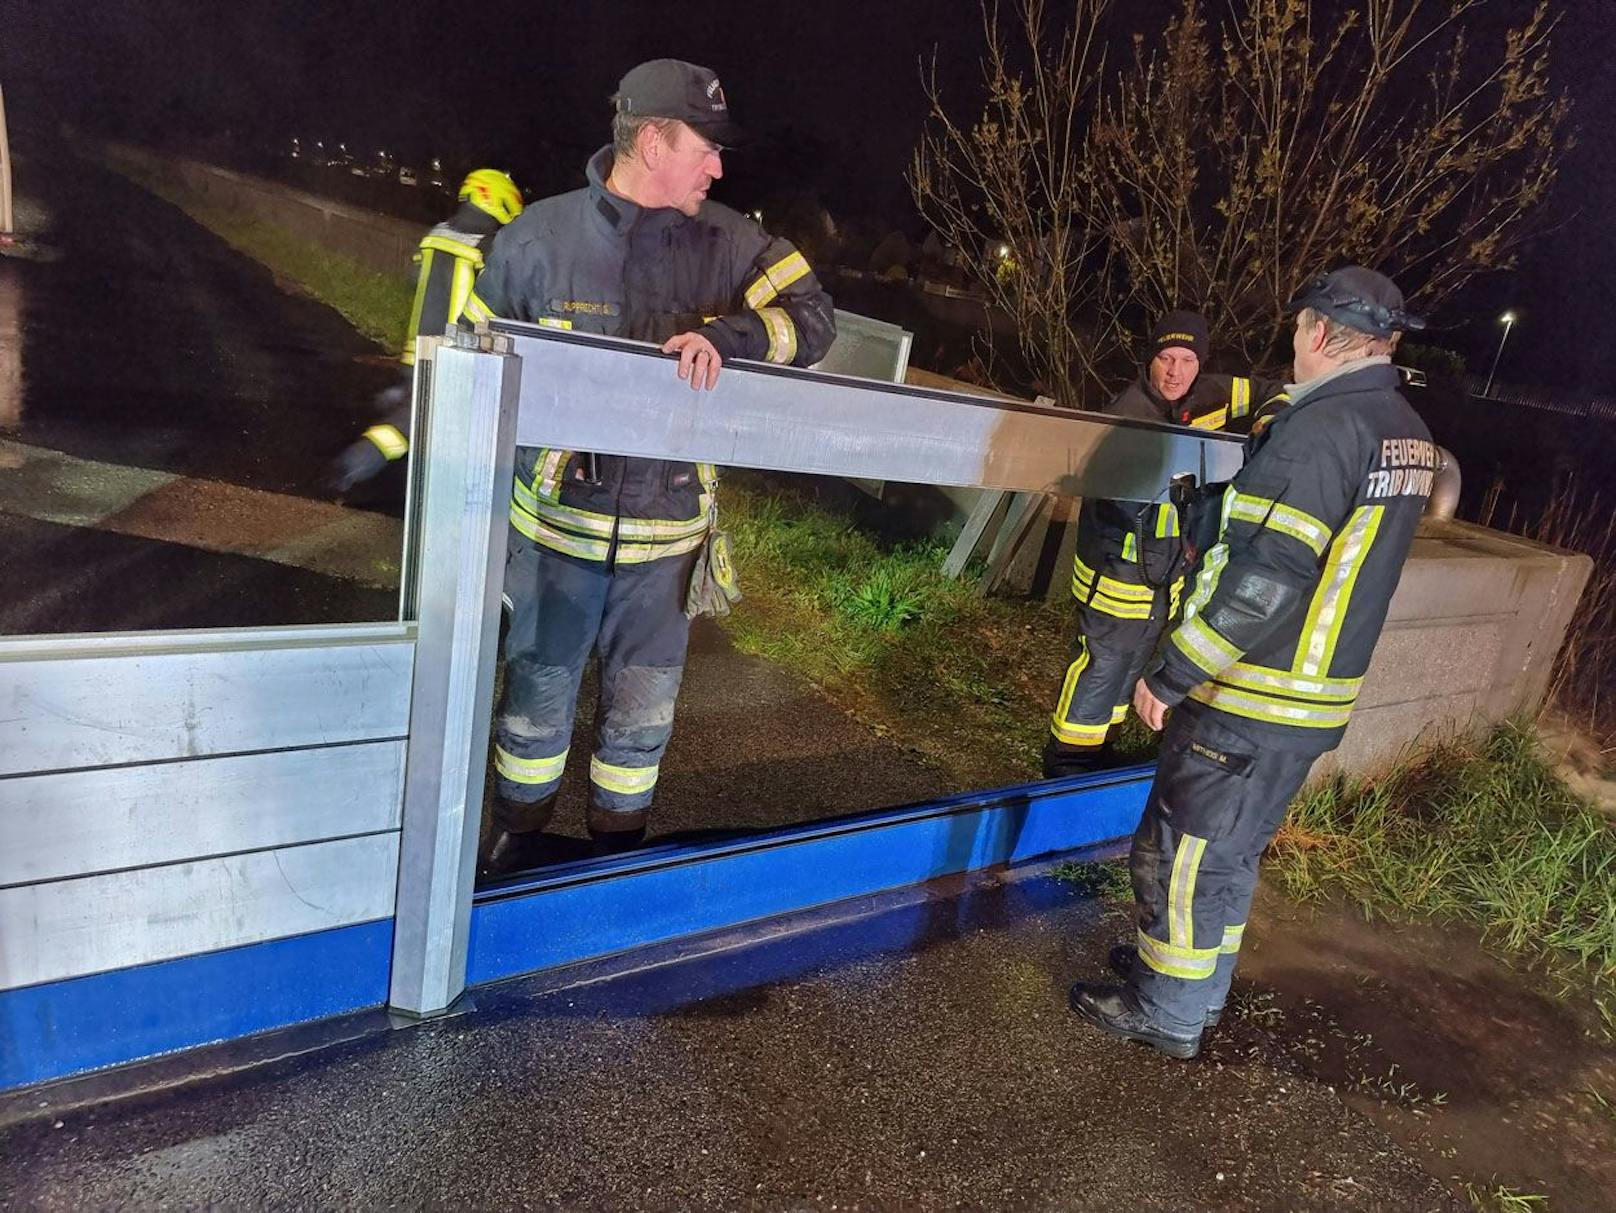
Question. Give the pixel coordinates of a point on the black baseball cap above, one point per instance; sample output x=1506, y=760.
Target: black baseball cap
x=1359, y=298
x=672, y=88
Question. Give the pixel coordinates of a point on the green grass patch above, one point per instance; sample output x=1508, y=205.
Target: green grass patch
x=1108, y=881
x=378, y=305
x=1483, y=832
x=964, y=680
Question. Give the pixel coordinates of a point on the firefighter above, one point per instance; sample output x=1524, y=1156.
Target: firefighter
x=1262, y=673
x=1128, y=574
x=450, y=256
x=604, y=547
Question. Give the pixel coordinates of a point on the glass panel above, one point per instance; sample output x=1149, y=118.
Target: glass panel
x=170, y=408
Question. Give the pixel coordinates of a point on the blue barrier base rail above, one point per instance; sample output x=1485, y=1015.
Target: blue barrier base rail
x=566, y=914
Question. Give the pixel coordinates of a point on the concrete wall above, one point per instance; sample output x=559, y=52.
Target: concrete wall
x=1470, y=640
x=378, y=242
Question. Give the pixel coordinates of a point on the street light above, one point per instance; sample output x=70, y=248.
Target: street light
x=1508, y=321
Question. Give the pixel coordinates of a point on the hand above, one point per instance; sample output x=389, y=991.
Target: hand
x=359, y=463
x=1151, y=710
x=698, y=359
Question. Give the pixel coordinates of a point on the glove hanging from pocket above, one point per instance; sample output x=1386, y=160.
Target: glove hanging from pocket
x=713, y=588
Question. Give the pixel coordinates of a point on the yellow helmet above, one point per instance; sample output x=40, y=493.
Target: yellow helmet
x=492, y=192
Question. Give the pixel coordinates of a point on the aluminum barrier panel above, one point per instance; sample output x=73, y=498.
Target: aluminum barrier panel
x=213, y=834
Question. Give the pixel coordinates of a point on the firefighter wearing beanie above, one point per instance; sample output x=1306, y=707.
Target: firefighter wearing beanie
x=1128, y=574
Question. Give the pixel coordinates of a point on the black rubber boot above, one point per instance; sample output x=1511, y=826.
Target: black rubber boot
x=1124, y=958
x=615, y=831
x=1113, y=1011
x=1061, y=760
x=506, y=851
x=514, y=842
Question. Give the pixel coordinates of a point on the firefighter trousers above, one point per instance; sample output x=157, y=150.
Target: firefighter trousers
x=1108, y=656
x=563, y=609
x=1217, y=800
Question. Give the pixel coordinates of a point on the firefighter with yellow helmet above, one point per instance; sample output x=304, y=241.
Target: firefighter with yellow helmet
x=450, y=256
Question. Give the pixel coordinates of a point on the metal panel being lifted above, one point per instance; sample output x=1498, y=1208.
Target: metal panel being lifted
x=590, y=393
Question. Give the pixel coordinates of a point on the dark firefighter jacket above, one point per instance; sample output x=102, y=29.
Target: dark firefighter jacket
x=1288, y=605
x=450, y=256
x=592, y=261
x=1124, y=548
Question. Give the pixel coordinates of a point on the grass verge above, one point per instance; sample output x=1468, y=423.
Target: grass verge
x=378, y=305
x=1478, y=831
x=965, y=681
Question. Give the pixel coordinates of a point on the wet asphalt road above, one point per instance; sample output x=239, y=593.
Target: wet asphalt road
x=145, y=342
x=917, y=1056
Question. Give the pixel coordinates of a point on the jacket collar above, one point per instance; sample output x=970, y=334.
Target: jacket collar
x=616, y=214
x=1375, y=371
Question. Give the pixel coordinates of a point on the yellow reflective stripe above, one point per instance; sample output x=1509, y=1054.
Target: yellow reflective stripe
x=557, y=541
x=1130, y=547
x=1074, y=671
x=782, y=335
x=1119, y=713
x=460, y=283
x=1206, y=581
x=775, y=279
x=553, y=322
x=528, y=770
x=707, y=473
x=419, y=302
x=457, y=249
x=625, y=781
x=1197, y=641
x=547, y=484
x=658, y=530
x=1110, y=585
x=389, y=441
x=1211, y=421
x=1181, y=892
x=523, y=496
x=1166, y=522
x=475, y=309
x=1262, y=679
x=1232, y=937
x=1286, y=519
x=1240, y=398
x=644, y=553
x=1192, y=964
x=1271, y=709
x=1325, y=614
x=1118, y=610
x=1080, y=734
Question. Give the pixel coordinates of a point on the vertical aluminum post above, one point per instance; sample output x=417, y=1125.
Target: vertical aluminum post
x=466, y=477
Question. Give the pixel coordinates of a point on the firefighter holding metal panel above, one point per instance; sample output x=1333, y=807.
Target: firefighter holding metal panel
x=605, y=548
x=1128, y=573
x=1260, y=677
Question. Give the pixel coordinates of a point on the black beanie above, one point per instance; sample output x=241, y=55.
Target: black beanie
x=1187, y=330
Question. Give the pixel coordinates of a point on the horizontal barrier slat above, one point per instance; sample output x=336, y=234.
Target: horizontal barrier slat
x=115, y=707
x=73, y=823
x=685, y=891
x=67, y=1027
x=69, y=928
x=601, y=394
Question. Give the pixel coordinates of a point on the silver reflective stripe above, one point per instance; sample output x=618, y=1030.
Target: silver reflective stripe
x=1328, y=609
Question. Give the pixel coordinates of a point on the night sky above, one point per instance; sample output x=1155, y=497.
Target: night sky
x=831, y=88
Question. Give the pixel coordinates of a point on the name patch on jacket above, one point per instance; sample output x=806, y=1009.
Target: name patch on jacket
x=586, y=307
x=1407, y=469
x=1235, y=764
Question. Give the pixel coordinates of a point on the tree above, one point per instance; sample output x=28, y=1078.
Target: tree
x=1233, y=157
x=1019, y=176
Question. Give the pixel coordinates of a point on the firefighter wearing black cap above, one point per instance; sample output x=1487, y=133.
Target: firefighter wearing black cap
x=1262, y=673
x=1128, y=574
x=604, y=547
x=450, y=256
